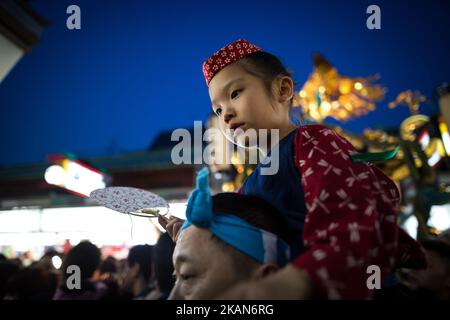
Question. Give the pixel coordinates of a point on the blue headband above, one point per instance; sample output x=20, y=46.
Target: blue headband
x=259, y=244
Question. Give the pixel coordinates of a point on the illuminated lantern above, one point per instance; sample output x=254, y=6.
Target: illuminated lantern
x=74, y=176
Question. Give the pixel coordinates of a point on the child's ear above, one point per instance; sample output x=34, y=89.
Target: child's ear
x=285, y=89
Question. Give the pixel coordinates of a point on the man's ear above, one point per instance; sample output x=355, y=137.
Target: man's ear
x=264, y=270
x=285, y=89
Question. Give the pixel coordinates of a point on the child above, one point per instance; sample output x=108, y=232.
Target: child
x=344, y=212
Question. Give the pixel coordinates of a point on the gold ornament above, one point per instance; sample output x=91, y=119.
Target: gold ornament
x=327, y=93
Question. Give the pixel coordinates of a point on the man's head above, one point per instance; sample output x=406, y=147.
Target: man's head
x=86, y=256
x=205, y=265
x=140, y=267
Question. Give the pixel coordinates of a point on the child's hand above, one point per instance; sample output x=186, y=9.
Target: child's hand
x=172, y=225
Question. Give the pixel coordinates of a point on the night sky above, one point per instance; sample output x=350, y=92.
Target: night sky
x=135, y=66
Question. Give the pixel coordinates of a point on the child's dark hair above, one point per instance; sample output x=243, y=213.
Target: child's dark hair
x=267, y=67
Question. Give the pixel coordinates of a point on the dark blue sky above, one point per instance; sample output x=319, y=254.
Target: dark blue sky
x=135, y=66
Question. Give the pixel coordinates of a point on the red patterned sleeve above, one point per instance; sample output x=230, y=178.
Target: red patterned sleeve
x=351, y=215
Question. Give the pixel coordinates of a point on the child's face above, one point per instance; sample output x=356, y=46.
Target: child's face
x=241, y=101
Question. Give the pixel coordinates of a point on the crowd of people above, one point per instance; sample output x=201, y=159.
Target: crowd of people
x=147, y=273
x=191, y=262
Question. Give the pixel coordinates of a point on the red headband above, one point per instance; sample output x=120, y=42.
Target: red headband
x=228, y=54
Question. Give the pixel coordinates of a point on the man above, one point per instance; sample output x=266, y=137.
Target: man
x=138, y=280
x=227, y=239
x=86, y=256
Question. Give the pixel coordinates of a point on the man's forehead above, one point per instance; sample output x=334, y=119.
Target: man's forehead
x=193, y=234
x=191, y=241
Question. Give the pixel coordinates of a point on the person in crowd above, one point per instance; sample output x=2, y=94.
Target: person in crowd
x=107, y=273
x=108, y=266
x=29, y=283
x=163, y=268
x=49, y=265
x=7, y=270
x=138, y=281
x=85, y=258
